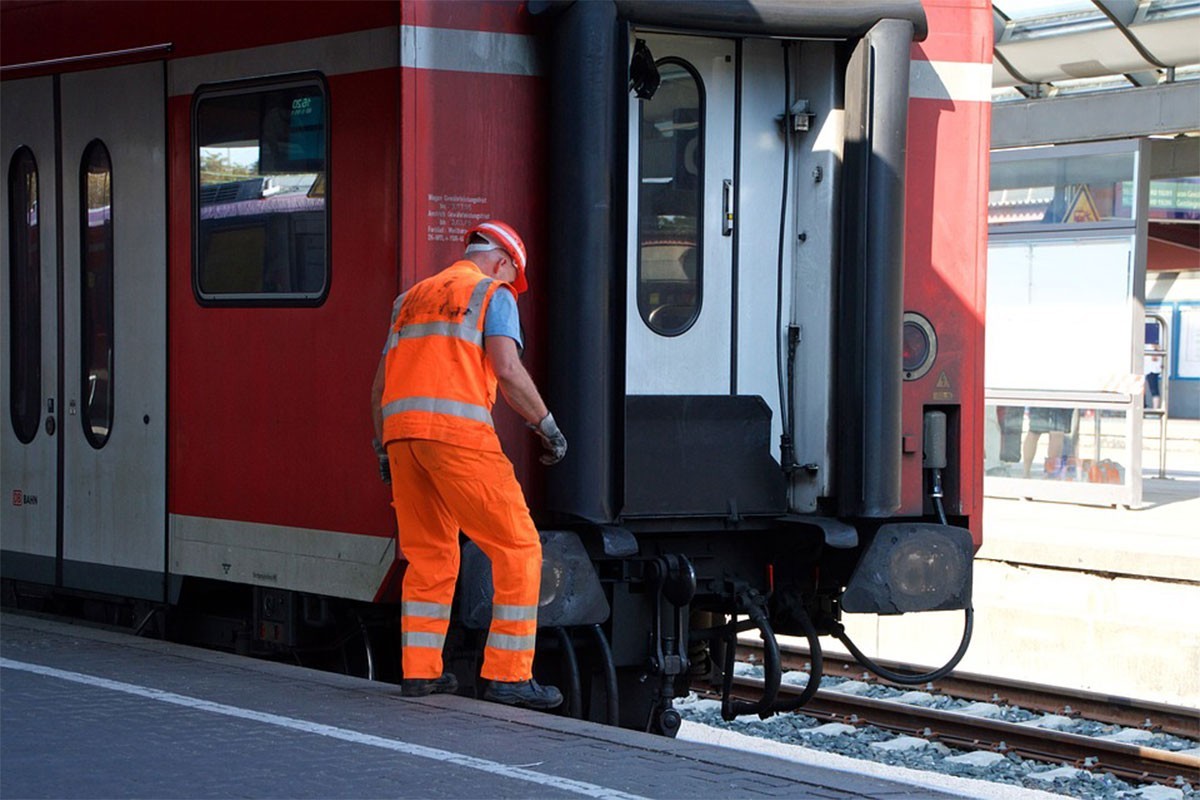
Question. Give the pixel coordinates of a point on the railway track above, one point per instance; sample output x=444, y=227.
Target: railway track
x=1109, y=709
x=1132, y=762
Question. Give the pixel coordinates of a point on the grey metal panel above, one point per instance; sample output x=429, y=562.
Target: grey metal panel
x=760, y=178
x=1167, y=109
x=816, y=200
x=114, y=502
x=27, y=119
x=299, y=559
x=331, y=55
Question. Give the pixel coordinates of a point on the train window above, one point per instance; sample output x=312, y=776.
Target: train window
x=261, y=200
x=671, y=200
x=96, y=292
x=25, y=296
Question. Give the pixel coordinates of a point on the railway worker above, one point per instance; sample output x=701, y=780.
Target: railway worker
x=454, y=337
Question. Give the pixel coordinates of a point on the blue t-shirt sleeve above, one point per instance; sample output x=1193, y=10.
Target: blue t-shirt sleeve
x=502, y=318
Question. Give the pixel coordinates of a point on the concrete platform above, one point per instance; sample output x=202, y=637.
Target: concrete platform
x=92, y=713
x=1105, y=599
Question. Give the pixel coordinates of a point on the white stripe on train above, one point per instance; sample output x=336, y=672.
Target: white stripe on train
x=481, y=52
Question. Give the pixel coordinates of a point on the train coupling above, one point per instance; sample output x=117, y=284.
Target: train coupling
x=671, y=578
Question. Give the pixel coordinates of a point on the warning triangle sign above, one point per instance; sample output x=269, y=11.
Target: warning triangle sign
x=943, y=382
x=1083, y=207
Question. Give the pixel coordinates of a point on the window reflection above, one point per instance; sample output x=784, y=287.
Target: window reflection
x=96, y=293
x=671, y=200
x=25, y=305
x=1076, y=444
x=1063, y=190
x=261, y=188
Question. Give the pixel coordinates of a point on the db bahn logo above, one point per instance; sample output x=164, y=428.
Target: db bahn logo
x=19, y=498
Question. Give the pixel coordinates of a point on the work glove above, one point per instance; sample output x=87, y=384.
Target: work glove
x=552, y=439
x=385, y=469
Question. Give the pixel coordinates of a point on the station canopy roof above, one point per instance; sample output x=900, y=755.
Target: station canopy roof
x=1089, y=70
x=1050, y=48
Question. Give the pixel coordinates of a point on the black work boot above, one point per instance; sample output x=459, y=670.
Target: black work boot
x=422, y=687
x=523, y=693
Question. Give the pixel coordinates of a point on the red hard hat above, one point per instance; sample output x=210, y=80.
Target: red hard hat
x=502, y=235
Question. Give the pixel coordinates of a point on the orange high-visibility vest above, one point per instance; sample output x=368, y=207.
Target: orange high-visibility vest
x=439, y=384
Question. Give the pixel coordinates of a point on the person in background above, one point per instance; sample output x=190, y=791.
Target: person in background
x=453, y=340
x=1153, y=366
x=1057, y=422
x=1153, y=396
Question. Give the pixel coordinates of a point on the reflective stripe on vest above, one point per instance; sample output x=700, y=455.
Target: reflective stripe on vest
x=514, y=613
x=420, y=639
x=390, y=342
x=503, y=641
x=436, y=405
x=414, y=608
x=467, y=331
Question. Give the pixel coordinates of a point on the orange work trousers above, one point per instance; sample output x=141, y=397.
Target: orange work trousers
x=438, y=489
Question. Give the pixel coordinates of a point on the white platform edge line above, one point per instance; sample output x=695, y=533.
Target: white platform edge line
x=343, y=734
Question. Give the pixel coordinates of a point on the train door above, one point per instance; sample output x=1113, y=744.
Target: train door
x=706, y=290
x=29, y=332
x=706, y=178
x=680, y=261
x=103, y=303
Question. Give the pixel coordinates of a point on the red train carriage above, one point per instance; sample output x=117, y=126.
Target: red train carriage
x=756, y=266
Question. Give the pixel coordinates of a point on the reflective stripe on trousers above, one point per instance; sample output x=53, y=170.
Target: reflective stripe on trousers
x=423, y=625
x=431, y=610
x=524, y=636
x=503, y=641
x=515, y=613
x=420, y=639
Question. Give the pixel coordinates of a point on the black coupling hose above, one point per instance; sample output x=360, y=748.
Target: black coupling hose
x=772, y=673
x=815, y=671
x=574, y=705
x=905, y=679
x=610, y=675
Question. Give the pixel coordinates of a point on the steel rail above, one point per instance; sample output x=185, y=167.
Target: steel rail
x=1129, y=761
x=1111, y=709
